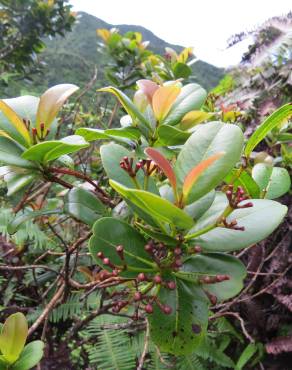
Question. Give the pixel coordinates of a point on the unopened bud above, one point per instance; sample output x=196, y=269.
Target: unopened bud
x=137, y=296
x=157, y=279
x=148, y=308
x=171, y=285
x=167, y=309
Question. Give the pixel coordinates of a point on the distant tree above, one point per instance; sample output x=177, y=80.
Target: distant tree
x=23, y=25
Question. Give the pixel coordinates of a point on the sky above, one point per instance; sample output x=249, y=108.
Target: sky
x=203, y=24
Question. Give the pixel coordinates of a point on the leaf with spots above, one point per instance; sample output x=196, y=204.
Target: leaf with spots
x=180, y=332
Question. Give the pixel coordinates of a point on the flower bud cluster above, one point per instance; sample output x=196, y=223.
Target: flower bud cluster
x=237, y=196
x=147, y=165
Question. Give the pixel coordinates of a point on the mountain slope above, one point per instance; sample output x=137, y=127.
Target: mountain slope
x=72, y=58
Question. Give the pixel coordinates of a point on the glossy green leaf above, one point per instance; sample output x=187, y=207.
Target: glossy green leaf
x=108, y=233
x=131, y=133
x=50, y=150
x=155, y=206
x=200, y=206
x=246, y=355
x=211, y=215
x=30, y=356
x=211, y=264
x=18, y=180
x=242, y=178
x=84, y=206
x=169, y=135
x=91, y=134
x=13, y=336
x=259, y=222
x=128, y=105
x=111, y=156
x=14, y=225
x=192, y=97
x=273, y=181
x=207, y=140
x=158, y=236
x=275, y=119
x=10, y=153
x=182, y=331
x=181, y=70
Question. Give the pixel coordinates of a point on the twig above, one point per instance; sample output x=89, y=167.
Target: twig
x=145, y=349
x=47, y=309
x=238, y=317
x=27, y=267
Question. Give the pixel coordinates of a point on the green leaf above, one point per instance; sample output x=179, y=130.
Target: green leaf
x=13, y=336
x=200, y=206
x=108, y=233
x=191, y=97
x=16, y=181
x=259, y=222
x=273, y=181
x=216, y=264
x=131, y=133
x=169, y=135
x=242, y=178
x=30, y=356
x=111, y=155
x=128, y=105
x=155, y=206
x=181, y=70
x=84, y=206
x=246, y=355
x=10, y=153
x=50, y=150
x=180, y=332
x=168, y=240
x=275, y=119
x=209, y=139
x=14, y=225
x=90, y=134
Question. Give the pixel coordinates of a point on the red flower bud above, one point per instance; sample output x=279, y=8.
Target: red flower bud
x=148, y=308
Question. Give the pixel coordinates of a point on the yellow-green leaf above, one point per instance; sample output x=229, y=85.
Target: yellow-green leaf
x=51, y=102
x=275, y=119
x=15, y=120
x=104, y=34
x=184, y=55
x=13, y=337
x=194, y=118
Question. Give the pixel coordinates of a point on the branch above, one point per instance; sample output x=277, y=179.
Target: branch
x=146, y=344
x=47, y=309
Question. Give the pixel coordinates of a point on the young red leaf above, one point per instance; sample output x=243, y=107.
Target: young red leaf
x=163, y=164
x=195, y=173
